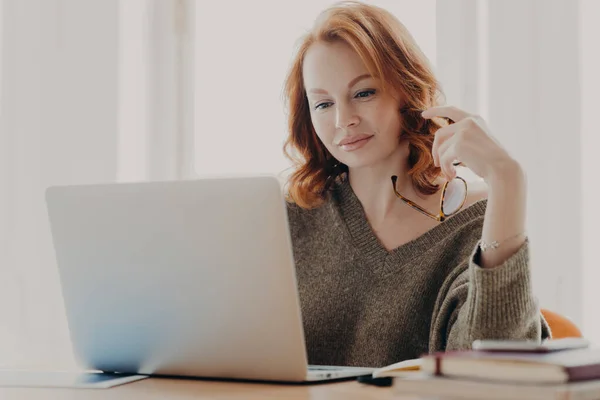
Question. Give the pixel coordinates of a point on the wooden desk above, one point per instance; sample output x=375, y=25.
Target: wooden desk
x=175, y=389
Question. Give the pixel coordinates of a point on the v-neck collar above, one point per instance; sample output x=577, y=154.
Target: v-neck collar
x=368, y=243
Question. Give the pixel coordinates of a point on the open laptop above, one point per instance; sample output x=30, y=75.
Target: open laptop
x=188, y=278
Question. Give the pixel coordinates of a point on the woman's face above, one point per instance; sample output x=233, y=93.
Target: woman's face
x=354, y=119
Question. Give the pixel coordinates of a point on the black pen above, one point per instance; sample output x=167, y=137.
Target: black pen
x=370, y=380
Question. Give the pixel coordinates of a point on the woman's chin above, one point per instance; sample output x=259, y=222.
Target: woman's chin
x=370, y=160
x=361, y=162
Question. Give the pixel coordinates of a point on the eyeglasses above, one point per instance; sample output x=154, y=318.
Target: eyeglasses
x=454, y=196
x=454, y=193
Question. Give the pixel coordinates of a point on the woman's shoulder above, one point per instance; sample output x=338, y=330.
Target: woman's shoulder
x=311, y=219
x=316, y=211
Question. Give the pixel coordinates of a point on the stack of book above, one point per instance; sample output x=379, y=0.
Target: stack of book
x=554, y=370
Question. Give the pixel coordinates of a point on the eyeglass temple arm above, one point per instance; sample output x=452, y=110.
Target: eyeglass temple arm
x=410, y=202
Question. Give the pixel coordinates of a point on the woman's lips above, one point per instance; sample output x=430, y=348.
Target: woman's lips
x=354, y=143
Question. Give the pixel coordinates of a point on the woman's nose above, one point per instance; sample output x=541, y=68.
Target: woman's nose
x=346, y=117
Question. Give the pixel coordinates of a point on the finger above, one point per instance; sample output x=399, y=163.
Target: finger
x=447, y=154
x=454, y=113
x=443, y=147
x=446, y=162
x=441, y=136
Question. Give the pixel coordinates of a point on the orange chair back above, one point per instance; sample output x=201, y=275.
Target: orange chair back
x=561, y=326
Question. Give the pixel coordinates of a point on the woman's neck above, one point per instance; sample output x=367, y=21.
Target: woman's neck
x=373, y=187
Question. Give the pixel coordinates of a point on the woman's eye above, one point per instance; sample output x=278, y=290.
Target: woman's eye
x=365, y=93
x=322, y=106
x=362, y=95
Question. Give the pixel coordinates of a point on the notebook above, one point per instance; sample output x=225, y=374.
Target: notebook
x=424, y=385
x=553, y=367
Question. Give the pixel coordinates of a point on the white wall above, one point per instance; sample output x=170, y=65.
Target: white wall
x=534, y=103
x=59, y=124
x=517, y=64
x=461, y=58
x=590, y=165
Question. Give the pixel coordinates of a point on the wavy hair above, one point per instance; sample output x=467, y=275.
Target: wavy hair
x=390, y=54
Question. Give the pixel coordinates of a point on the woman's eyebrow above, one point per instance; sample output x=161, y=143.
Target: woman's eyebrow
x=350, y=84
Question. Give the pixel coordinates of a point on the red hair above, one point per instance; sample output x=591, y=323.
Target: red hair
x=390, y=54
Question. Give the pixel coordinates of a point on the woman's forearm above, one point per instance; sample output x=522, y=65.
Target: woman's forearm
x=505, y=216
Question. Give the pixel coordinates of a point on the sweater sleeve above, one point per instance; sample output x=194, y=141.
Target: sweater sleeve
x=487, y=303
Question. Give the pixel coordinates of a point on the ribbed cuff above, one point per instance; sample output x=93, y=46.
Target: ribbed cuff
x=501, y=298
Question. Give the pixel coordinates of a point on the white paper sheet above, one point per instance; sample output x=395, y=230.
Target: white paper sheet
x=60, y=379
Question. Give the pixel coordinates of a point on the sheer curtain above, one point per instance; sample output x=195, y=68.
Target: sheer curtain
x=91, y=91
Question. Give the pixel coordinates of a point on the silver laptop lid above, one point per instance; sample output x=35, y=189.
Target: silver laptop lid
x=190, y=277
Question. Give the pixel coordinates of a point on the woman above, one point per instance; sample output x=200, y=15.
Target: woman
x=385, y=275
